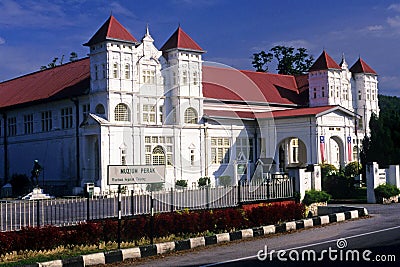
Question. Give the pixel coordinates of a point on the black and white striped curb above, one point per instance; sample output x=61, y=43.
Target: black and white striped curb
x=152, y=250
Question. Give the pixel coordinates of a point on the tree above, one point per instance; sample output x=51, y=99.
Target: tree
x=56, y=61
x=261, y=60
x=52, y=64
x=289, y=61
x=383, y=144
x=203, y=181
x=181, y=183
x=73, y=56
x=225, y=180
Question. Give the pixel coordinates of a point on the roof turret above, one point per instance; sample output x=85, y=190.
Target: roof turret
x=181, y=40
x=361, y=67
x=324, y=62
x=111, y=30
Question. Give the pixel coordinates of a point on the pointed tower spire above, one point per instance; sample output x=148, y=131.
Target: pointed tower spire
x=147, y=36
x=324, y=62
x=361, y=67
x=343, y=63
x=181, y=40
x=111, y=30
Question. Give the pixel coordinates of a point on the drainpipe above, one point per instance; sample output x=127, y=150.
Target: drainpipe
x=78, y=154
x=6, y=167
x=205, y=148
x=311, y=145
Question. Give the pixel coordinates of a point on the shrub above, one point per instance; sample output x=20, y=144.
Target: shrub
x=227, y=219
x=274, y=213
x=155, y=187
x=225, y=180
x=386, y=191
x=203, y=181
x=135, y=229
x=338, y=186
x=314, y=196
x=352, y=169
x=20, y=184
x=181, y=183
x=328, y=170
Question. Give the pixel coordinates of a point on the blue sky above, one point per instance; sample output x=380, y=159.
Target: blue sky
x=33, y=32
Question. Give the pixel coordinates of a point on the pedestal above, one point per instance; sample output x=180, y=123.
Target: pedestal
x=37, y=193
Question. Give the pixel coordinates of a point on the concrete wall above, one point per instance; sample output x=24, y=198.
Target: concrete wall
x=376, y=177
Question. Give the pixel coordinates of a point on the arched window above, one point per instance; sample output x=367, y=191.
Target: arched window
x=121, y=112
x=158, y=156
x=190, y=116
x=100, y=109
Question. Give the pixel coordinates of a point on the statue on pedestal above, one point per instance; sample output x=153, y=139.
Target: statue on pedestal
x=35, y=173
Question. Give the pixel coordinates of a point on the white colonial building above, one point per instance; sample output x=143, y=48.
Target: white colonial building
x=130, y=103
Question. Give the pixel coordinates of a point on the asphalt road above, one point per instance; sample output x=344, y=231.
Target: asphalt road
x=373, y=241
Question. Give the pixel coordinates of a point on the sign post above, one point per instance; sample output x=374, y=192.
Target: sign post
x=134, y=174
x=119, y=217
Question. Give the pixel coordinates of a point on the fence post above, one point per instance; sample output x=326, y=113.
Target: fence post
x=37, y=213
x=239, y=201
x=151, y=218
x=172, y=199
x=132, y=202
x=207, y=196
x=269, y=181
x=119, y=217
x=87, y=209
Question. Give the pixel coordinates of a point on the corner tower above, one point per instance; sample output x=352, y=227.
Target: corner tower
x=365, y=92
x=183, y=75
x=329, y=83
x=112, y=53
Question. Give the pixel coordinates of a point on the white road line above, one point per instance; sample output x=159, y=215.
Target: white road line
x=300, y=247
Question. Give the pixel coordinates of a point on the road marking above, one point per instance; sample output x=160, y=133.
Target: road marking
x=305, y=246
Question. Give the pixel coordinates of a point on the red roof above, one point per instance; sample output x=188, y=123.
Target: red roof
x=302, y=82
x=313, y=111
x=324, y=62
x=111, y=30
x=250, y=86
x=181, y=40
x=71, y=79
x=230, y=113
x=361, y=67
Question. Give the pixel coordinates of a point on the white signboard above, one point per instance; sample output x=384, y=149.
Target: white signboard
x=135, y=174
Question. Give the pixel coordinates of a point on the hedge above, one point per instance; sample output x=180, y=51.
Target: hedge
x=165, y=224
x=314, y=196
x=386, y=191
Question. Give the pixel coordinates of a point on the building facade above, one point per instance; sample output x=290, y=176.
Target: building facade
x=130, y=103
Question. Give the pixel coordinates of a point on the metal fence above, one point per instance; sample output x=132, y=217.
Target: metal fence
x=16, y=214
